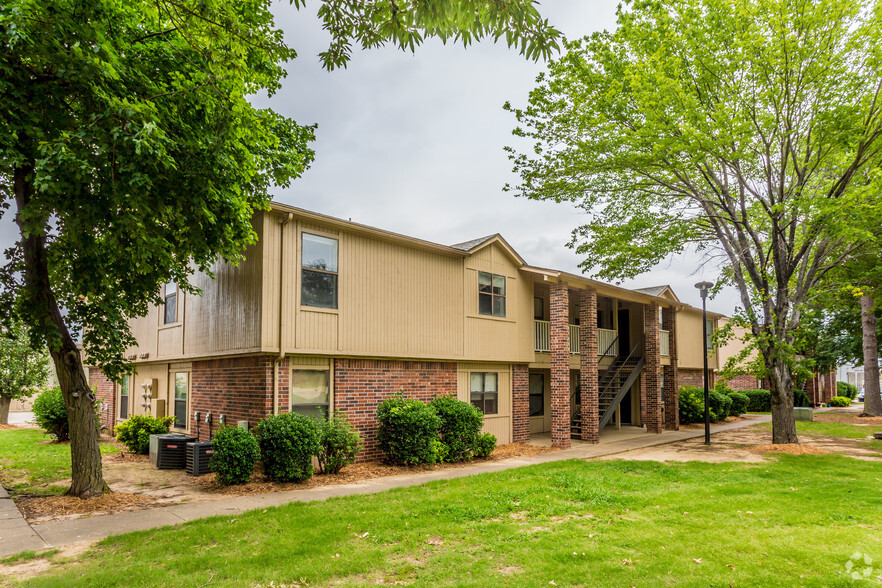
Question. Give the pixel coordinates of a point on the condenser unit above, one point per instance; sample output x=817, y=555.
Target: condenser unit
x=198, y=456
x=169, y=452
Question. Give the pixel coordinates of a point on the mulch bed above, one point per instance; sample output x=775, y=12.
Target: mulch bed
x=36, y=507
x=789, y=449
x=851, y=418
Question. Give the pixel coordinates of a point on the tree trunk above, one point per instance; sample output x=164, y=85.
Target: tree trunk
x=781, y=384
x=5, y=401
x=872, y=400
x=87, y=479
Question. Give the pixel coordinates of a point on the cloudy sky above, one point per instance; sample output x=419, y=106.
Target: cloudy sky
x=413, y=143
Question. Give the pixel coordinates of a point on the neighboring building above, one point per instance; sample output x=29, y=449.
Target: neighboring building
x=324, y=314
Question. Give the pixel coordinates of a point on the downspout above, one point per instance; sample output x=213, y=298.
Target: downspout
x=282, y=313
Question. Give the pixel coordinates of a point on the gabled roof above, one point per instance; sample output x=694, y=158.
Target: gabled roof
x=660, y=292
x=477, y=244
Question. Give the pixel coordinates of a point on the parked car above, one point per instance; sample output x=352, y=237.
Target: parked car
x=860, y=396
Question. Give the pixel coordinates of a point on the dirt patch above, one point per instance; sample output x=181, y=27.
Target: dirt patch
x=789, y=449
x=137, y=485
x=851, y=418
x=41, y=564
x=731, y=419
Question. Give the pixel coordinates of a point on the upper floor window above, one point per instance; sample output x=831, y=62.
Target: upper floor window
x=318, y=274
x=170, y=295
x=491, y=294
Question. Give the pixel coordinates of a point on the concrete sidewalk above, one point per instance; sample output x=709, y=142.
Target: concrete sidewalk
x=61, y=533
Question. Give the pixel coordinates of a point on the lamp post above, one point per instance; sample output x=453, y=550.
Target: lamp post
x=703, y=288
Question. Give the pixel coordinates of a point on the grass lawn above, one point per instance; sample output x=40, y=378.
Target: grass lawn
x=29, y=461
x=794, y=520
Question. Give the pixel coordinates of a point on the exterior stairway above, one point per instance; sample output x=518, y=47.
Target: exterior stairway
x=613, y=385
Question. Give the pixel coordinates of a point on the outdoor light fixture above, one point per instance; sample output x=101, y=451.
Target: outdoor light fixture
x=703, y=288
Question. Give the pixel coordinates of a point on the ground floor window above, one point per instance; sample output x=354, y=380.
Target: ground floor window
x=182, y=386
x=311, y=392
x=537, y=395
x=484, y=390
x=124, y=397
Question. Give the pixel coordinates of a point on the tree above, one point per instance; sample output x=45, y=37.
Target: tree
x=745, y=129
x=133, y=157
x=23, y=369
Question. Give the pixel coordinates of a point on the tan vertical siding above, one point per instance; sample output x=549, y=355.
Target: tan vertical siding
x=498, y=424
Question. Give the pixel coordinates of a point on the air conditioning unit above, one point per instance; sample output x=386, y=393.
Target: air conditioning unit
x=169, y=452
x=198, y=456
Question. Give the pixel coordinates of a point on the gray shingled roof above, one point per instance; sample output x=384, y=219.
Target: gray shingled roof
x=653, y=290
x=469, y=245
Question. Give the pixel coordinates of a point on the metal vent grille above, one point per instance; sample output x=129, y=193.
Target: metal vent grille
x=198, y=456
x=169, y=452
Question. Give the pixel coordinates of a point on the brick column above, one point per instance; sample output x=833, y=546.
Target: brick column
x=649, y=379
x=672, y=384
x=588, y=366
x=560, y=365
x=520, y=390
x=811, y=390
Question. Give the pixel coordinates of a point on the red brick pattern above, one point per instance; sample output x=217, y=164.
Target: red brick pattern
x=744, y=382
x=650, y=390
x=670, y=393
x=688, y=377
x=240, y=388
x=560, y=365
x=829, y=386
x=812, y=390
x=588, y=366
x=106, y=393
x=361, y=384
x=520, y=388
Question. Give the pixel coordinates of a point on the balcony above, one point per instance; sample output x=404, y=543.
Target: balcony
x=606, y=339
x=664, y=343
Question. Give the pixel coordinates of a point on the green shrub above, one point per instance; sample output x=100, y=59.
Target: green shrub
x=51, y=414
x=720, y=406
x=691, y=404
x=135, y=432
x=840, y=401
x=484, y=445
x=235, y=452
x=408, y=430
x=760, y=400
x=461, y=424
x=722, y=387
x=339, y=443
x=800, y=398
x=740, y=402
x=847, y=390
x=288, y=442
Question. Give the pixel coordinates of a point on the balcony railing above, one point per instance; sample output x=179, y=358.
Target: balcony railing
x=664, y=343
x=574, y=339
x=543, y=335
x=607, y=341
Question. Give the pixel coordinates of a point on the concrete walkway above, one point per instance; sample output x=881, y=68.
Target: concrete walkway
x=62, y=533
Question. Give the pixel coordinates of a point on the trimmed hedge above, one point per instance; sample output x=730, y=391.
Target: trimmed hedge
x=740, y=402
x=50, y=413
x=235, y=452
x=800, y=398
x=339, y=443
x=288, y=442
x=847, y=390
x=135, y=431
x=760, y=400
x=720, y=405
x=408, y=431
x=461, y=424
x=691, y=404
x=840, y=401
x=484, y=445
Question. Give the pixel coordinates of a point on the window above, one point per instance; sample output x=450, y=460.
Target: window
x=537, y=395
x=605, y=309
x=484, y=391
x=181, y=389
x=538, y=309
x=661, y=319
x=170, y=295
x=491, y=294
x=709, y=344
x=311, y=392
x=318, y=276
x=124, y=398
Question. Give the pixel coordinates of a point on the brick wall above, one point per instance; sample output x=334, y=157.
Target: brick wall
x=588, y=366
x=670, y=391
x=744, y=382
x=650, y=390
x=520, y=388
x=691, y=377
x=106, y=393
x=812, y=390
x=239, y=388
x=560, y=365
x=829, y=386
x=361, y=384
